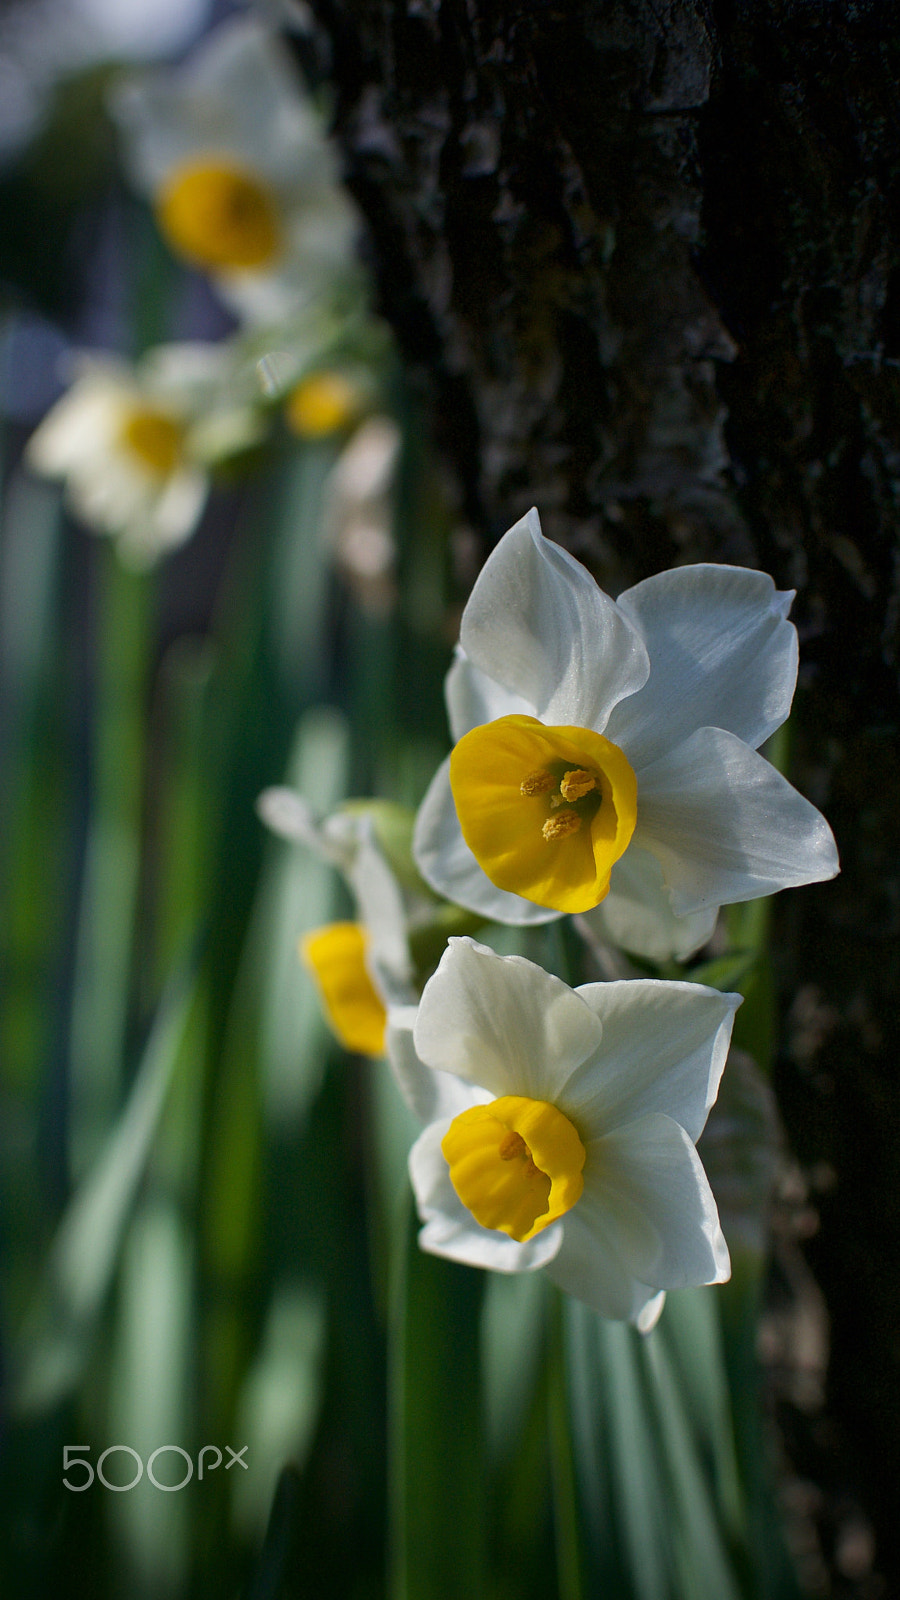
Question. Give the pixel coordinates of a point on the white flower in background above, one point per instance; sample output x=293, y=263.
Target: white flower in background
x=241, y=175
x=360, y=967
x=561, y=1126
x=607, y=750
x=135, y=444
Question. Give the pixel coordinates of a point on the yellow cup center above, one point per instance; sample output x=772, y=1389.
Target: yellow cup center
x=321, y=404
x=516, y=1164
x=154, y=438
x=336, y=957
x=218, y=217
x=546, y=811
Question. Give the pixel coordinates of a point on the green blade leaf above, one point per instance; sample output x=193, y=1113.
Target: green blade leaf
x=84, y=1256
x=437, y=1492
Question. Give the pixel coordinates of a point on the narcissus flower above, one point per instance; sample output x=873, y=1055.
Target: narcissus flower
x=242, y=178
x=561, y=1126
x=359, y=967
x=135, y=444
x=606, y=751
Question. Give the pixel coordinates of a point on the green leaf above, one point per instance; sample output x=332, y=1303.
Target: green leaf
x=704, y=1566
x=109, y=891
x=150, y=1397
x=437, y=1457
x=690, y=1329
x=278, y=1405
x=566, y=1517
x=512, y=1337
x=622, y=1490
x=57, y=1336
x=727, y=973
x=276, y=1558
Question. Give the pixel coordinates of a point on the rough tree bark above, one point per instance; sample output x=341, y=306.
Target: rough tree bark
x=644, y=259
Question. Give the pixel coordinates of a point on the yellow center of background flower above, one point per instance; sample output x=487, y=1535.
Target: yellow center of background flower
x=218, y=217
x=545, y=811
x=154, y=438
x=515, y=1164
x=336, y=957
x=321, y=404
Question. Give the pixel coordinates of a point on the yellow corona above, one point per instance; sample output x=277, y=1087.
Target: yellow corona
x=546, y=811
x=516, y=1164
x=219, y=217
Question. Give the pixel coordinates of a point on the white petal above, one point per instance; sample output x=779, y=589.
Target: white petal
x=174, y=369
x=664, y=1049
x=637, y=913
x=289, y=815
x=381, y=909
x=225, y=431
x=741, y=1150
x=243, y=69
x=322, y=227
x=82, y=424
x=110, y=494
x=590, y=1267
x=339, y=833
x=263, y=299
x=726, y=826
x=652, y=1170
x=448, y=865
x=450, y=1230
x=236, y=97
x=431, y=1096
x=503, y=1023
x=179, y=507
x=651, y=1213
x=538, y=623
x=649, y=1314
x=473, y=698
x=722, y=654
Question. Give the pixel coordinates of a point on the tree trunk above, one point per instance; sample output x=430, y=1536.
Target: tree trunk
x=642, y=260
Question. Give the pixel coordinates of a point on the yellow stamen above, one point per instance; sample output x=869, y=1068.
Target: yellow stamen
x=561, y=826
x=321, y=404
x=219, y=217
x=154, y=438
x=526, y=836
x=537, y=783
x=511, y=1145
x=516, y=1164
x=336, y=957
x=575, y=785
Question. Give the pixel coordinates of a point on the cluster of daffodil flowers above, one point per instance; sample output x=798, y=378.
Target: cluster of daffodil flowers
x=605, y=767
x=234, y=160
